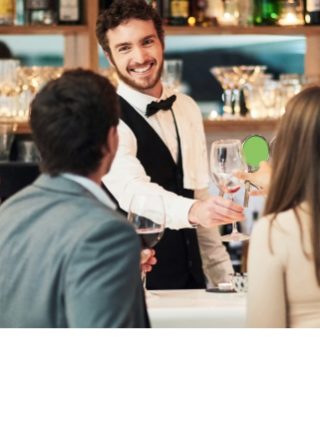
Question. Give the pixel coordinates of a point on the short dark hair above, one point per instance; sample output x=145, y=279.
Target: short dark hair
x=70, y=119
x=121, y=11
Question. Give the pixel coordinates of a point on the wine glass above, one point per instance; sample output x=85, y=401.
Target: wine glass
x=225, y=159
x=147, y=215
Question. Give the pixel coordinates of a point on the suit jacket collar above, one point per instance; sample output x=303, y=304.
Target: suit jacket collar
x=61, y=184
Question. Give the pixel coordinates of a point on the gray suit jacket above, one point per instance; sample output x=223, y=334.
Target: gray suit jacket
x=66, y=260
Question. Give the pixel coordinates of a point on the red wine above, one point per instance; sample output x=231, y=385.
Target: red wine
x=149, y=236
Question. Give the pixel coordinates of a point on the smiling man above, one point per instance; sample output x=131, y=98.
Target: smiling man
x=137, y=55
x=162, y=150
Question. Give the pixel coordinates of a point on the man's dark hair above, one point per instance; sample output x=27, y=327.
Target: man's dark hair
x=121, y=11
x=70, y=120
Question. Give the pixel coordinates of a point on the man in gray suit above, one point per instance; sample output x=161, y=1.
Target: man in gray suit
x=68, y=259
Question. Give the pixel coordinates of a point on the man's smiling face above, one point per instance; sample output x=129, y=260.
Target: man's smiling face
x=137, y=55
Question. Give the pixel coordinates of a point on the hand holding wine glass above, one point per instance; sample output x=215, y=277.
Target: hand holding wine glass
x=147, y=260
x=147, y=215
x=260, y=179
x=225, y=160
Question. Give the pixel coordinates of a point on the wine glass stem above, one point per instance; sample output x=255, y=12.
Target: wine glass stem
x=234, y=224
x=144, y=280
x=234, y=228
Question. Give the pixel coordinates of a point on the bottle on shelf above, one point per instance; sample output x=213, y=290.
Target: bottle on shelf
x=198, y=13
x=40, y=12
x=291, y=13
x=7, y=12
x=266, y=12
x=70, y=12
x=152, y=3
x=104, y=4
x=178, y=12
x=231, y=13
x=312, y=12
x=214, y=11
x=245, y=12
x=163, y=7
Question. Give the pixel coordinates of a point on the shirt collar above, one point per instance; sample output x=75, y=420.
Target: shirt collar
x=92, y=187
x=137, y=99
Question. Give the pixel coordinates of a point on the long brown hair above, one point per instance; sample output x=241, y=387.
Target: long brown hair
x=296, y=164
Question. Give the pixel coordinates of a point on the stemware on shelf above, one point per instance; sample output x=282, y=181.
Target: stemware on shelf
x=233, y=79
x=30, y=81
x=8, y=89
x=172, y=73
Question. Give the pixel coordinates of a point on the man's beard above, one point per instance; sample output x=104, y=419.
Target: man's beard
x=142, y=85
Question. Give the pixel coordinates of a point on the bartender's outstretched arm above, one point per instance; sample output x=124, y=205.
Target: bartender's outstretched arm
x=215, y=211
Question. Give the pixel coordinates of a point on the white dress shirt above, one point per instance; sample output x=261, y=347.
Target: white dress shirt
x=128, y=177
x=92, y=187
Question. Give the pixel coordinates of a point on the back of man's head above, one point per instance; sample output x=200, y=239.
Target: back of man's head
x=70, y=121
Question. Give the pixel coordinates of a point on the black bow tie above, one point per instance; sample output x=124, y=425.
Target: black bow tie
x=154, y=107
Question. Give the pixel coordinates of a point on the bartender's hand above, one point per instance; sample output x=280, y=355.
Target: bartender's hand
x=147, y=260
x=260, y=179
x=215, y=211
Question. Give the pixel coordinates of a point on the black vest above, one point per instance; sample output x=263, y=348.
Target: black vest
x=179, y=263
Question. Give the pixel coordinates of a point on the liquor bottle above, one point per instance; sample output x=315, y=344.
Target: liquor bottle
x=266, y=12
x=179, y=12
x=245, y=12
x=197, y=10
x=69, y=12
x=152, y=3
x=312, y=12
x=7, y=12
x=163, y=7
x=104, y=4
x=42, y=12
x=214, y=11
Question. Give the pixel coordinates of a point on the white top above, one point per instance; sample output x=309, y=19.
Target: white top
x=92, y=187
x=128, y=177
x=283, y=290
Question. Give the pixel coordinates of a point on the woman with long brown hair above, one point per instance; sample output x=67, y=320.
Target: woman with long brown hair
x=284, y=254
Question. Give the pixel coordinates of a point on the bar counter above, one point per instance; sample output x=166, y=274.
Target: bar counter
x=196, y=309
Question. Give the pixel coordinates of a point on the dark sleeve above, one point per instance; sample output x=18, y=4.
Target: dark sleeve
x=103, y=285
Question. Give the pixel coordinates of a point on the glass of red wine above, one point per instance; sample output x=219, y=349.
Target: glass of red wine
x=225, y=160
x=147, y=215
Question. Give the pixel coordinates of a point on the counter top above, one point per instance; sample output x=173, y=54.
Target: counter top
x=196, y=308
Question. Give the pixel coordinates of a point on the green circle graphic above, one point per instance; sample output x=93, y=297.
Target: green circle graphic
x=255, y=149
